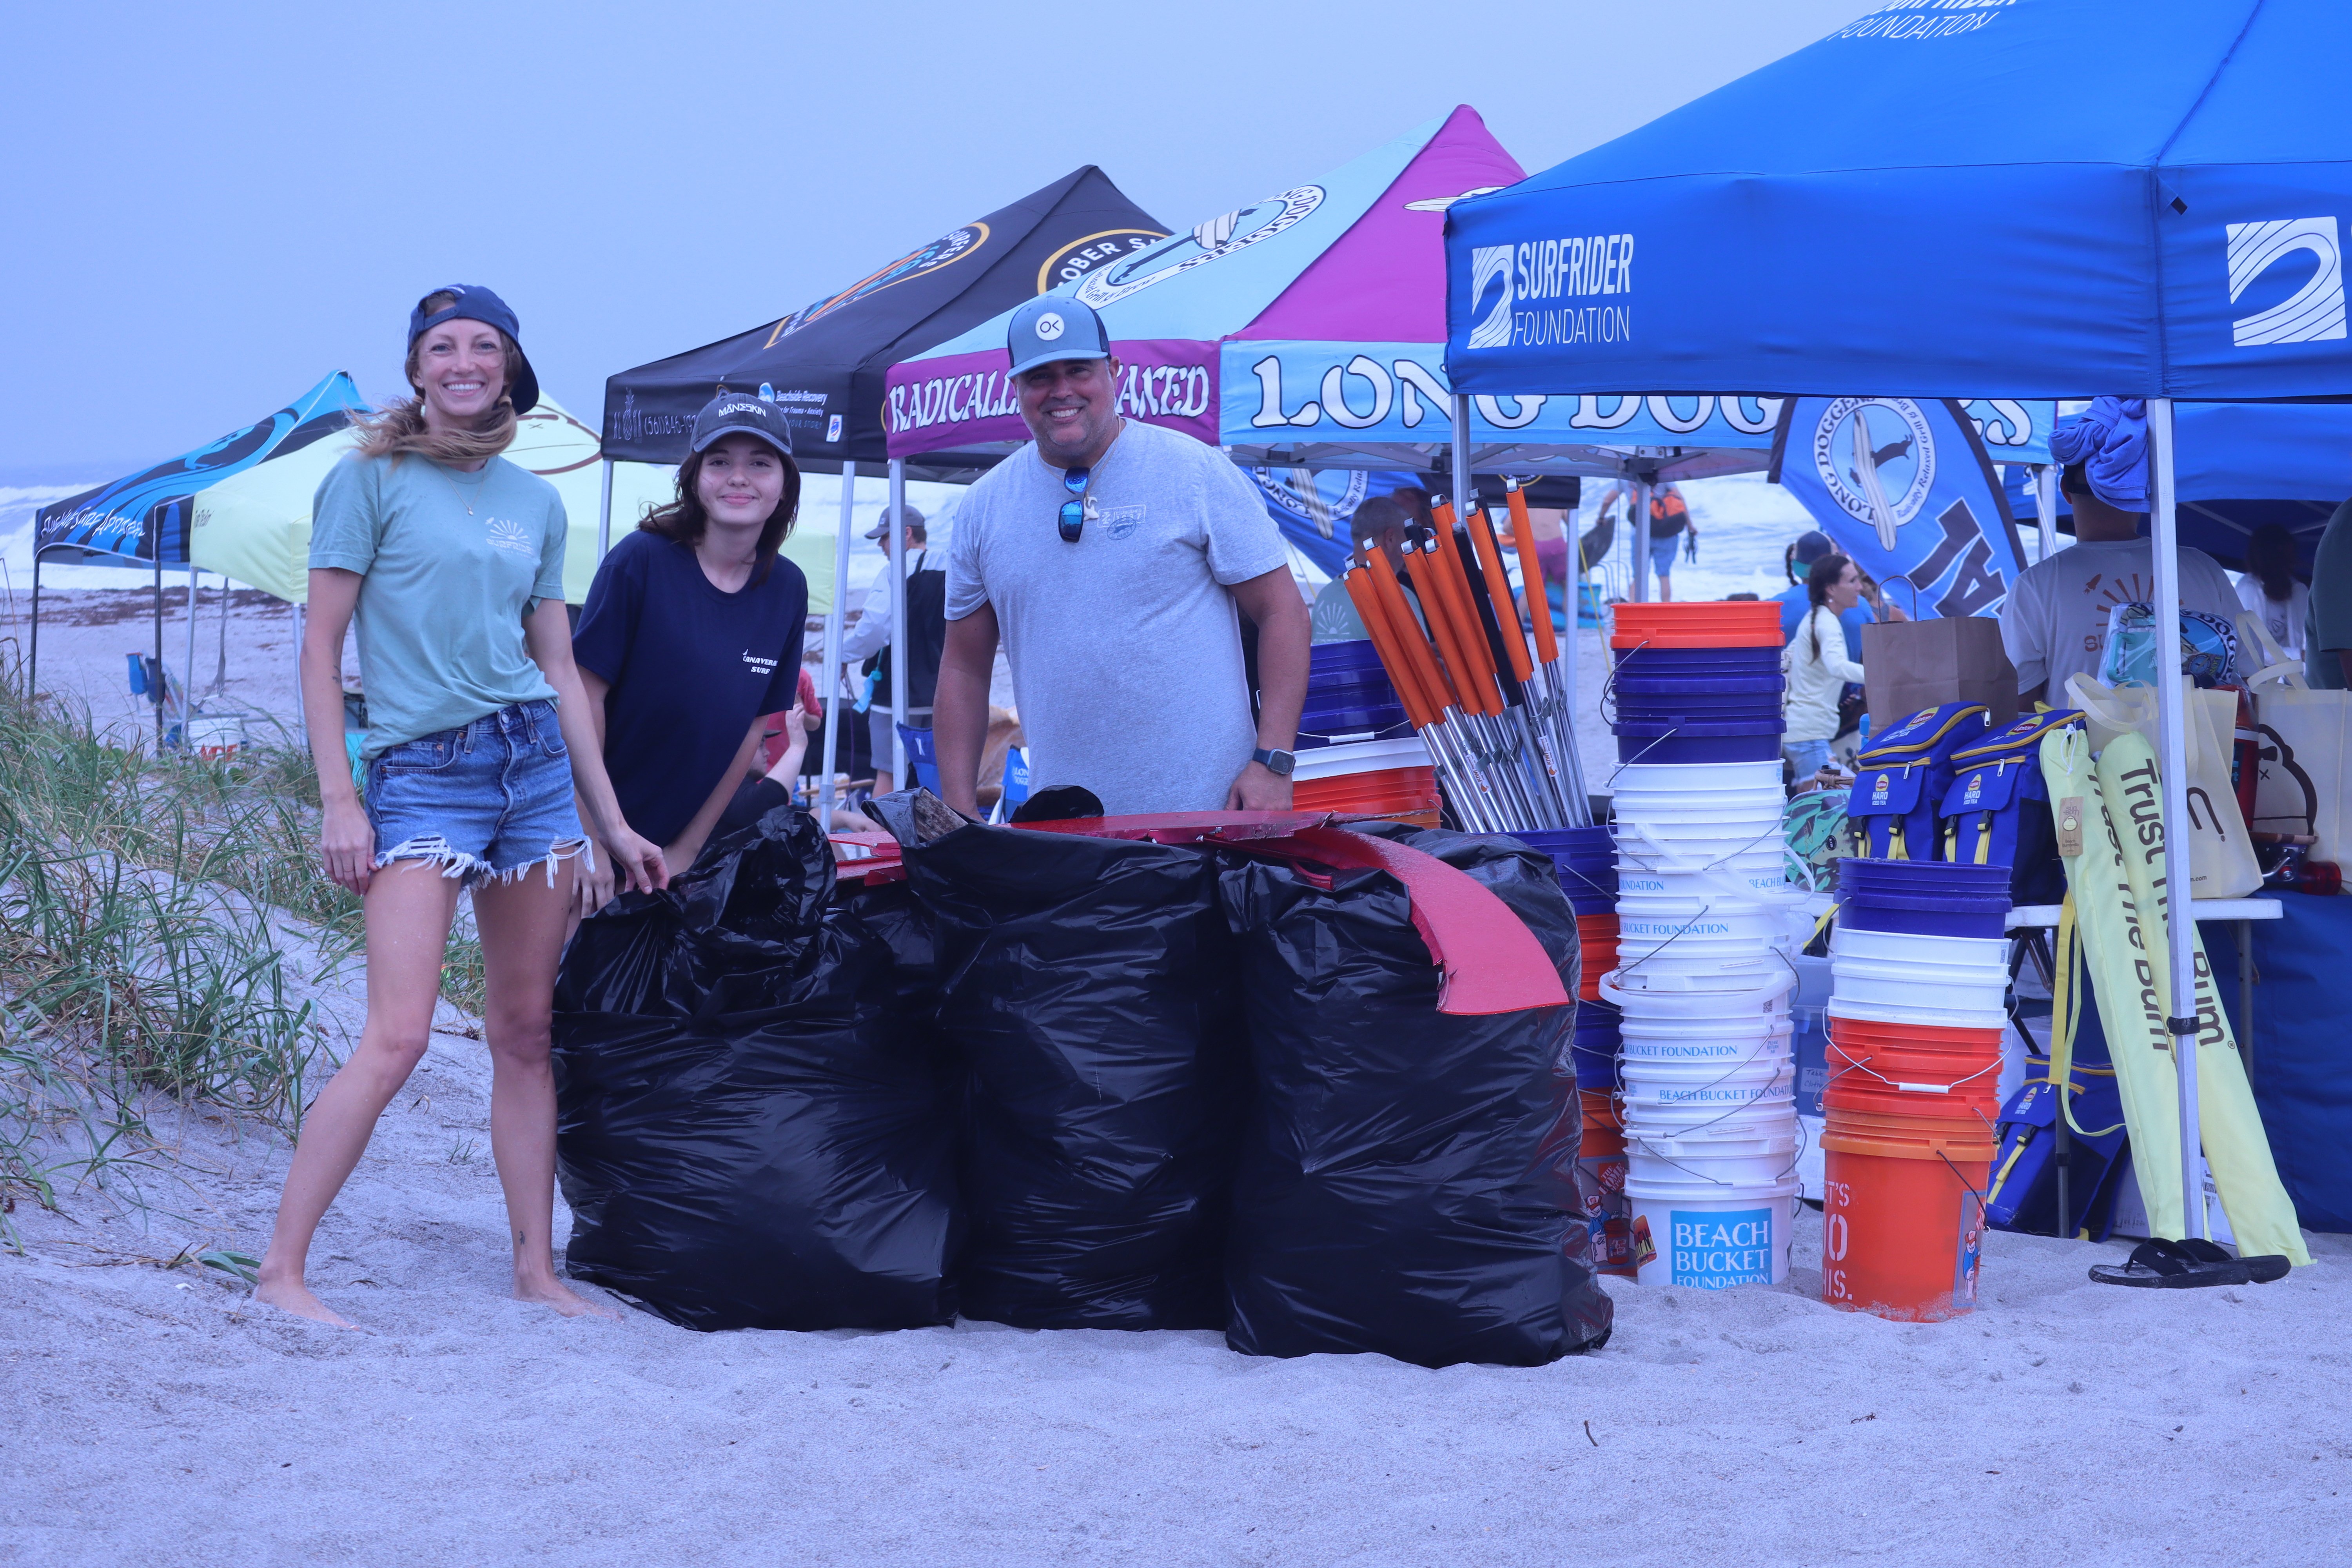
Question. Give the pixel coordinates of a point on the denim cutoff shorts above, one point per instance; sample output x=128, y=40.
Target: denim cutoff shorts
x=489, y=799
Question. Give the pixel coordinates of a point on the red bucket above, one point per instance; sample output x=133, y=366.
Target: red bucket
x=1700, y=623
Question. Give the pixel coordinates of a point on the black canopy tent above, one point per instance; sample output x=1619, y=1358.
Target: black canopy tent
x=826, y=364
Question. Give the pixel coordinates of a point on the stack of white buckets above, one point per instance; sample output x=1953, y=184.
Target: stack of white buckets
x=1708, y=925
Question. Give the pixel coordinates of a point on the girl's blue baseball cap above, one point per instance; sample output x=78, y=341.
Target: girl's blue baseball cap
x=476, y=303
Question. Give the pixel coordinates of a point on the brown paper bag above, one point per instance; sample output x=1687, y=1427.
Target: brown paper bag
x=1908, y=665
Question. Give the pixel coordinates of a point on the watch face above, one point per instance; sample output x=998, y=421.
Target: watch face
x=1277, y=762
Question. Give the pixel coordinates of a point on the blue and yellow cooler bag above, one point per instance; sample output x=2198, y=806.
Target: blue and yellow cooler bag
x=1900, y=781
x=1996, y=810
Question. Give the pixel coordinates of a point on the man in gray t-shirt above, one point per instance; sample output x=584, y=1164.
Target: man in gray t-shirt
x=1111, y=556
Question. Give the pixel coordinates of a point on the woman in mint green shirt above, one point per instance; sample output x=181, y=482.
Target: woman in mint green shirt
x=479, y=740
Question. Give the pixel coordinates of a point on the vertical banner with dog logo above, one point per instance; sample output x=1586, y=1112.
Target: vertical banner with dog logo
x=1905, y=487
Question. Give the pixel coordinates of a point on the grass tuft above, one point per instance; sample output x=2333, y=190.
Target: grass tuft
x=144, y=901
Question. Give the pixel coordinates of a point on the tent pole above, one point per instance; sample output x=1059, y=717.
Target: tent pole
x=33, y=658
x=1639, y=537
x=604, y=516
x=160, y=676
x=301, y=718
x=897, y=622
x=1463, y=487
x=2172, y=735
x=2045, y=510
x=188, y=701
x=831, y=687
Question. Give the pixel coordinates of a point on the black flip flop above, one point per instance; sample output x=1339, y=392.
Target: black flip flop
x=2163, y=1265
x=2261, y=1269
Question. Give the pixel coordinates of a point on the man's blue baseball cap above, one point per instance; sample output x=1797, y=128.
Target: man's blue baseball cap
x=476, y=303
x=1054, y=327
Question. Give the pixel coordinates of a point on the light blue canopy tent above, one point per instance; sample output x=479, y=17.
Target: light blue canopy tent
x=2022, y=198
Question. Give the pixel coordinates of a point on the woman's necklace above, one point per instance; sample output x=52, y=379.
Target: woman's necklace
x=459, y=490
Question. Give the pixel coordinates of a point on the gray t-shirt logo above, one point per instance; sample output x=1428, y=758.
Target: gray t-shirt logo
x=1118, y=521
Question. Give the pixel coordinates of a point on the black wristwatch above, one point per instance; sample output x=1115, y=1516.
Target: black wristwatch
x=1278, y=764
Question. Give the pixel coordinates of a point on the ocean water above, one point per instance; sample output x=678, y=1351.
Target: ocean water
x=1743, y=525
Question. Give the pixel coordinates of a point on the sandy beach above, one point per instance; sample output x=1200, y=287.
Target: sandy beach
x=153, y=1414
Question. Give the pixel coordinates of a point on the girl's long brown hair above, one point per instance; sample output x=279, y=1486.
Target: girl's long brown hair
x=399, y=427
x=684, y=521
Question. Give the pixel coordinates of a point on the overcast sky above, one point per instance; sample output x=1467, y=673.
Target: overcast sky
x=213, y=207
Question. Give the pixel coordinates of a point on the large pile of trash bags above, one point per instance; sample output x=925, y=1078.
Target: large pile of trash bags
x=1057, y=1080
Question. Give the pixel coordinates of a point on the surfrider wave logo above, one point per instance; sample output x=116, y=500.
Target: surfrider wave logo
x=1491, y=263
x=2313, y=312
x=1535, y=282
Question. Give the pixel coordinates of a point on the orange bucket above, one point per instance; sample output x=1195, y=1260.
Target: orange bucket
x=1873, y=1078
x=1901, y=1237
x=1902, y=1136
x=1698, y=623
x=1921, y=1037
x=1596, y=941
x=1602, y=1113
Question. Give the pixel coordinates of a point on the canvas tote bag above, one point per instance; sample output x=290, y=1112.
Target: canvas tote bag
x=2222, y=863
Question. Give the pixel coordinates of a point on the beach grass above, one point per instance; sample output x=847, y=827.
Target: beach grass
x=146, y=904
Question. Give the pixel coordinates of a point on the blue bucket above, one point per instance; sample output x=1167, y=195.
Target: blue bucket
x=1595, y=1046
x=1923, y=897
x=1587, y=860
x=1360, y=654
x=1660, y=661
x=1675, y=685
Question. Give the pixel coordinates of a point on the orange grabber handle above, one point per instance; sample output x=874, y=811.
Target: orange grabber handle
x=1415, y=648
x=1531, y=574
x=1406, y=680
x=1453, y=587
x=1498, y=589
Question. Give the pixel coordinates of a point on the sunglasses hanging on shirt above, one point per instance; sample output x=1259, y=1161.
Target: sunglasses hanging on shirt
x=1080, y=508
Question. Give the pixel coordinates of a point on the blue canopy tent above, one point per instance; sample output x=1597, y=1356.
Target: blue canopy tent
x=142, y=519
x=2241, y=465
x=2045, y=198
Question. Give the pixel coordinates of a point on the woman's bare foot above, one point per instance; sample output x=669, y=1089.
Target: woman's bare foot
x=293, y=1295
x=555, y=1293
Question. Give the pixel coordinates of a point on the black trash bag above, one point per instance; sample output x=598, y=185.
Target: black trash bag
x=753, y=1129
x=1407, y=1183
x=1086, y=987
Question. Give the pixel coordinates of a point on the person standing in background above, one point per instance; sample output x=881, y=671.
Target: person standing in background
x=2054, y=624
x=1670, y=525
x=1815, y=665
x=1114, y=558
x=2269, y=587
x=2327, y=618
x=927, y=630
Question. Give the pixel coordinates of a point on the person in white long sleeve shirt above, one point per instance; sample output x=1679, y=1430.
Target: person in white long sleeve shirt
x=871, y=634
x=1816, y=665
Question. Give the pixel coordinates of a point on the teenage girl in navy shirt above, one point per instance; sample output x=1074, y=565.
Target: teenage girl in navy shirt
x=692, y=631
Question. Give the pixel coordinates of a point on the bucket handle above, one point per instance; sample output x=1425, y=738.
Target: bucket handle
x=1864, y=1066
x=1763, y=996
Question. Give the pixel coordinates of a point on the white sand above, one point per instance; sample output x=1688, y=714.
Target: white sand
x=155, y=1416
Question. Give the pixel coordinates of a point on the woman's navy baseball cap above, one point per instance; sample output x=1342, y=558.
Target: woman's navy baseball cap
x=476, y=303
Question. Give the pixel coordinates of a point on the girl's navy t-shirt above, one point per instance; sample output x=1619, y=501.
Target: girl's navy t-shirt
x=689, y=666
